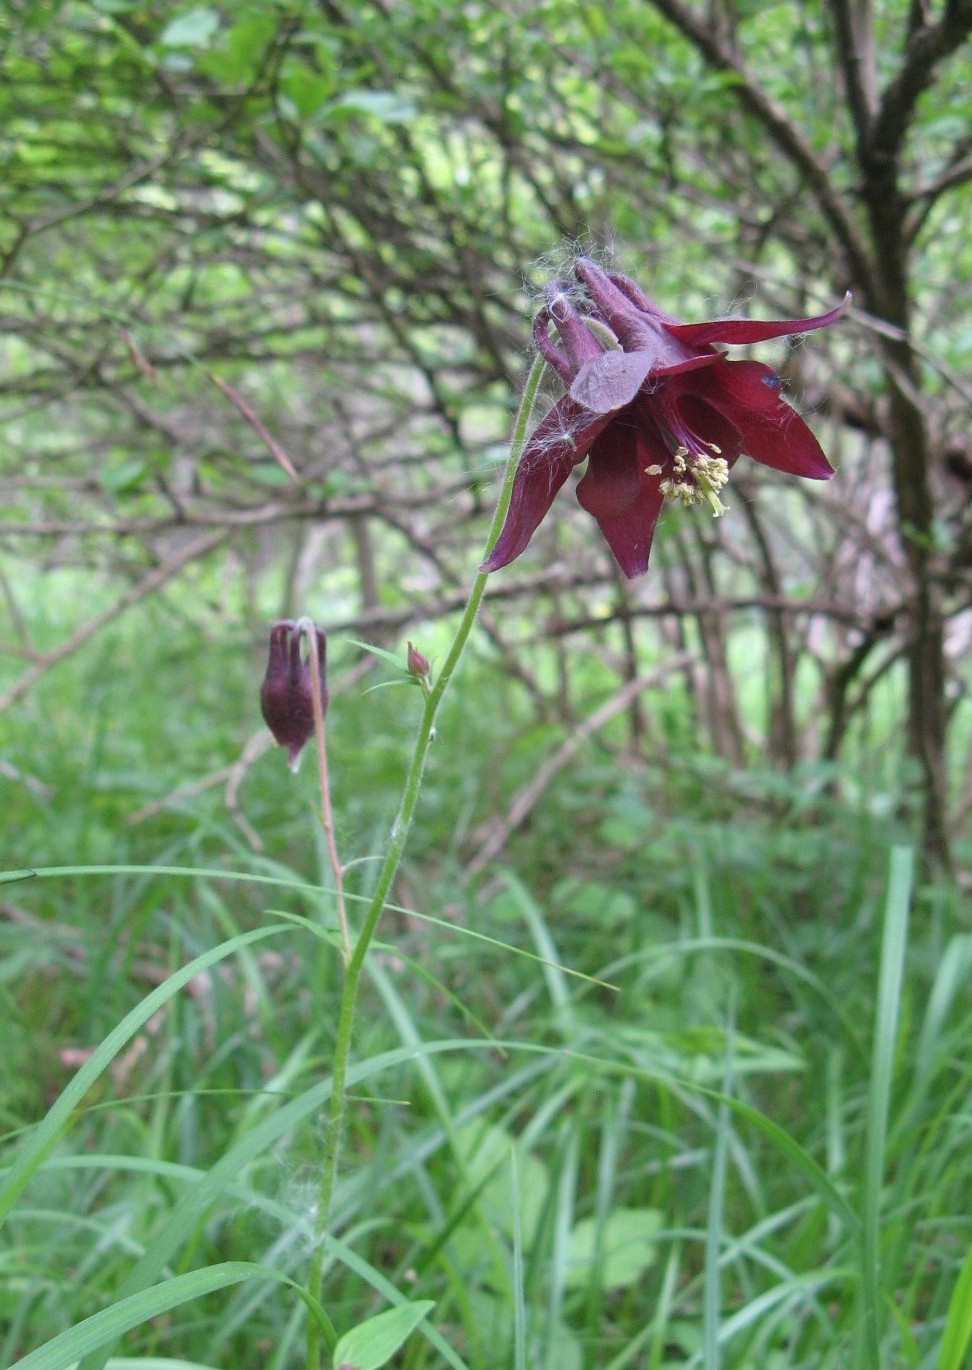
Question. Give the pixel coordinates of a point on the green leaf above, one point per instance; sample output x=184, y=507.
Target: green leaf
x=894, y=945
x=241, y=48
x=797, y=1155
x=373, y=1343
x=122, y=475
x=194, y=29
x=958, y=1321
x=7, y=877
x=384, y=105
x=397, y=661
x=305, y=90
x=604, y=903
x=615, y=1252
x=484, y=1151
x=156, y=1363
x=66, y=1349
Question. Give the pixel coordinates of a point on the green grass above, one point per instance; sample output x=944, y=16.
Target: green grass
x=683, y=1079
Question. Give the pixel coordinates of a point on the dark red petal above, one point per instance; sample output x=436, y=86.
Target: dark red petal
x=623, y=499
x=286, y=696
x=638, y=297
x=603, y=290
x=633, y=318
x=555, y=356
x=747, y=394
x=611, y=381
x=751, y=330
x=579, y=342
x=707, y=358
x=711, y=427
x=560, y=440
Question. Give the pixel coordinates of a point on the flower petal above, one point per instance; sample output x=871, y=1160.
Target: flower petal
x=613, y=379
x=610, y=381
x=286, y=695
x=751, y=330
x=706, y=424
x=748, y=395
x=561, y=439
x=638, y=297
x=553, y=355
x=578, y=340
x=621, y=496
x=640, y=326
x=578, y=343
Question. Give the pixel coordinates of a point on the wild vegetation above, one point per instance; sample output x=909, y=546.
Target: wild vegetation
x=660, y=1055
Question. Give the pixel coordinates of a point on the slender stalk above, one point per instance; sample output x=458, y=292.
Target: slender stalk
x=327, y=814
x=389, y=869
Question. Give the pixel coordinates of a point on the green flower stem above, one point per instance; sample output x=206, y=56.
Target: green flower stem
x=389, y=869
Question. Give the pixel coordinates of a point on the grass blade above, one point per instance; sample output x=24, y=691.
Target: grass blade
x=890, y=979
x=958, y=1322
x=48, y=1131
x=711, y=1283
x=66, y=1349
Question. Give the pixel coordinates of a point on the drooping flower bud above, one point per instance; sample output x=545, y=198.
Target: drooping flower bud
x=417, y=663
x=287, y=693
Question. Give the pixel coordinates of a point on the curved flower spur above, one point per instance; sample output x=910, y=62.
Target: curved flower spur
x=656, y=409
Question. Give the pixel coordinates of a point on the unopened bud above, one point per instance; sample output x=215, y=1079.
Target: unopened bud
x=418, y=665
x=287, y=693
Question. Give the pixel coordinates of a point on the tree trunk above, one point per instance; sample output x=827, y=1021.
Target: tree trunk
x=911, y=461
x=927, y=712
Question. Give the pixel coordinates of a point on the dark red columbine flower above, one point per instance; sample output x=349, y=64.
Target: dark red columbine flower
x=287, y=692
x=655, y=408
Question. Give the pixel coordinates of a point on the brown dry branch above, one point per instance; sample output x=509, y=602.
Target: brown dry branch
x=194, y=551
x=279, y=455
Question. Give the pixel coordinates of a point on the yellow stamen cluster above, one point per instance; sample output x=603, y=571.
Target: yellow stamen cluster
x=697, y=479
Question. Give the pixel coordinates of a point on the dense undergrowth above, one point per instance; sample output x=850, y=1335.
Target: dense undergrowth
x=645, y=1089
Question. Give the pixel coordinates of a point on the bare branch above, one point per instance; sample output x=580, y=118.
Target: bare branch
x=200, y=547
x=928, y=46
x=785, y=134
x=854, y=24
x=527, y=798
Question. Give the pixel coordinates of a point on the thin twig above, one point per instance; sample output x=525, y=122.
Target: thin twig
x=200, y=547
x=258, y=426
x=526, y=799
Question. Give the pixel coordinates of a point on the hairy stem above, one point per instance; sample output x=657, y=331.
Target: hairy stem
x=389, y=869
